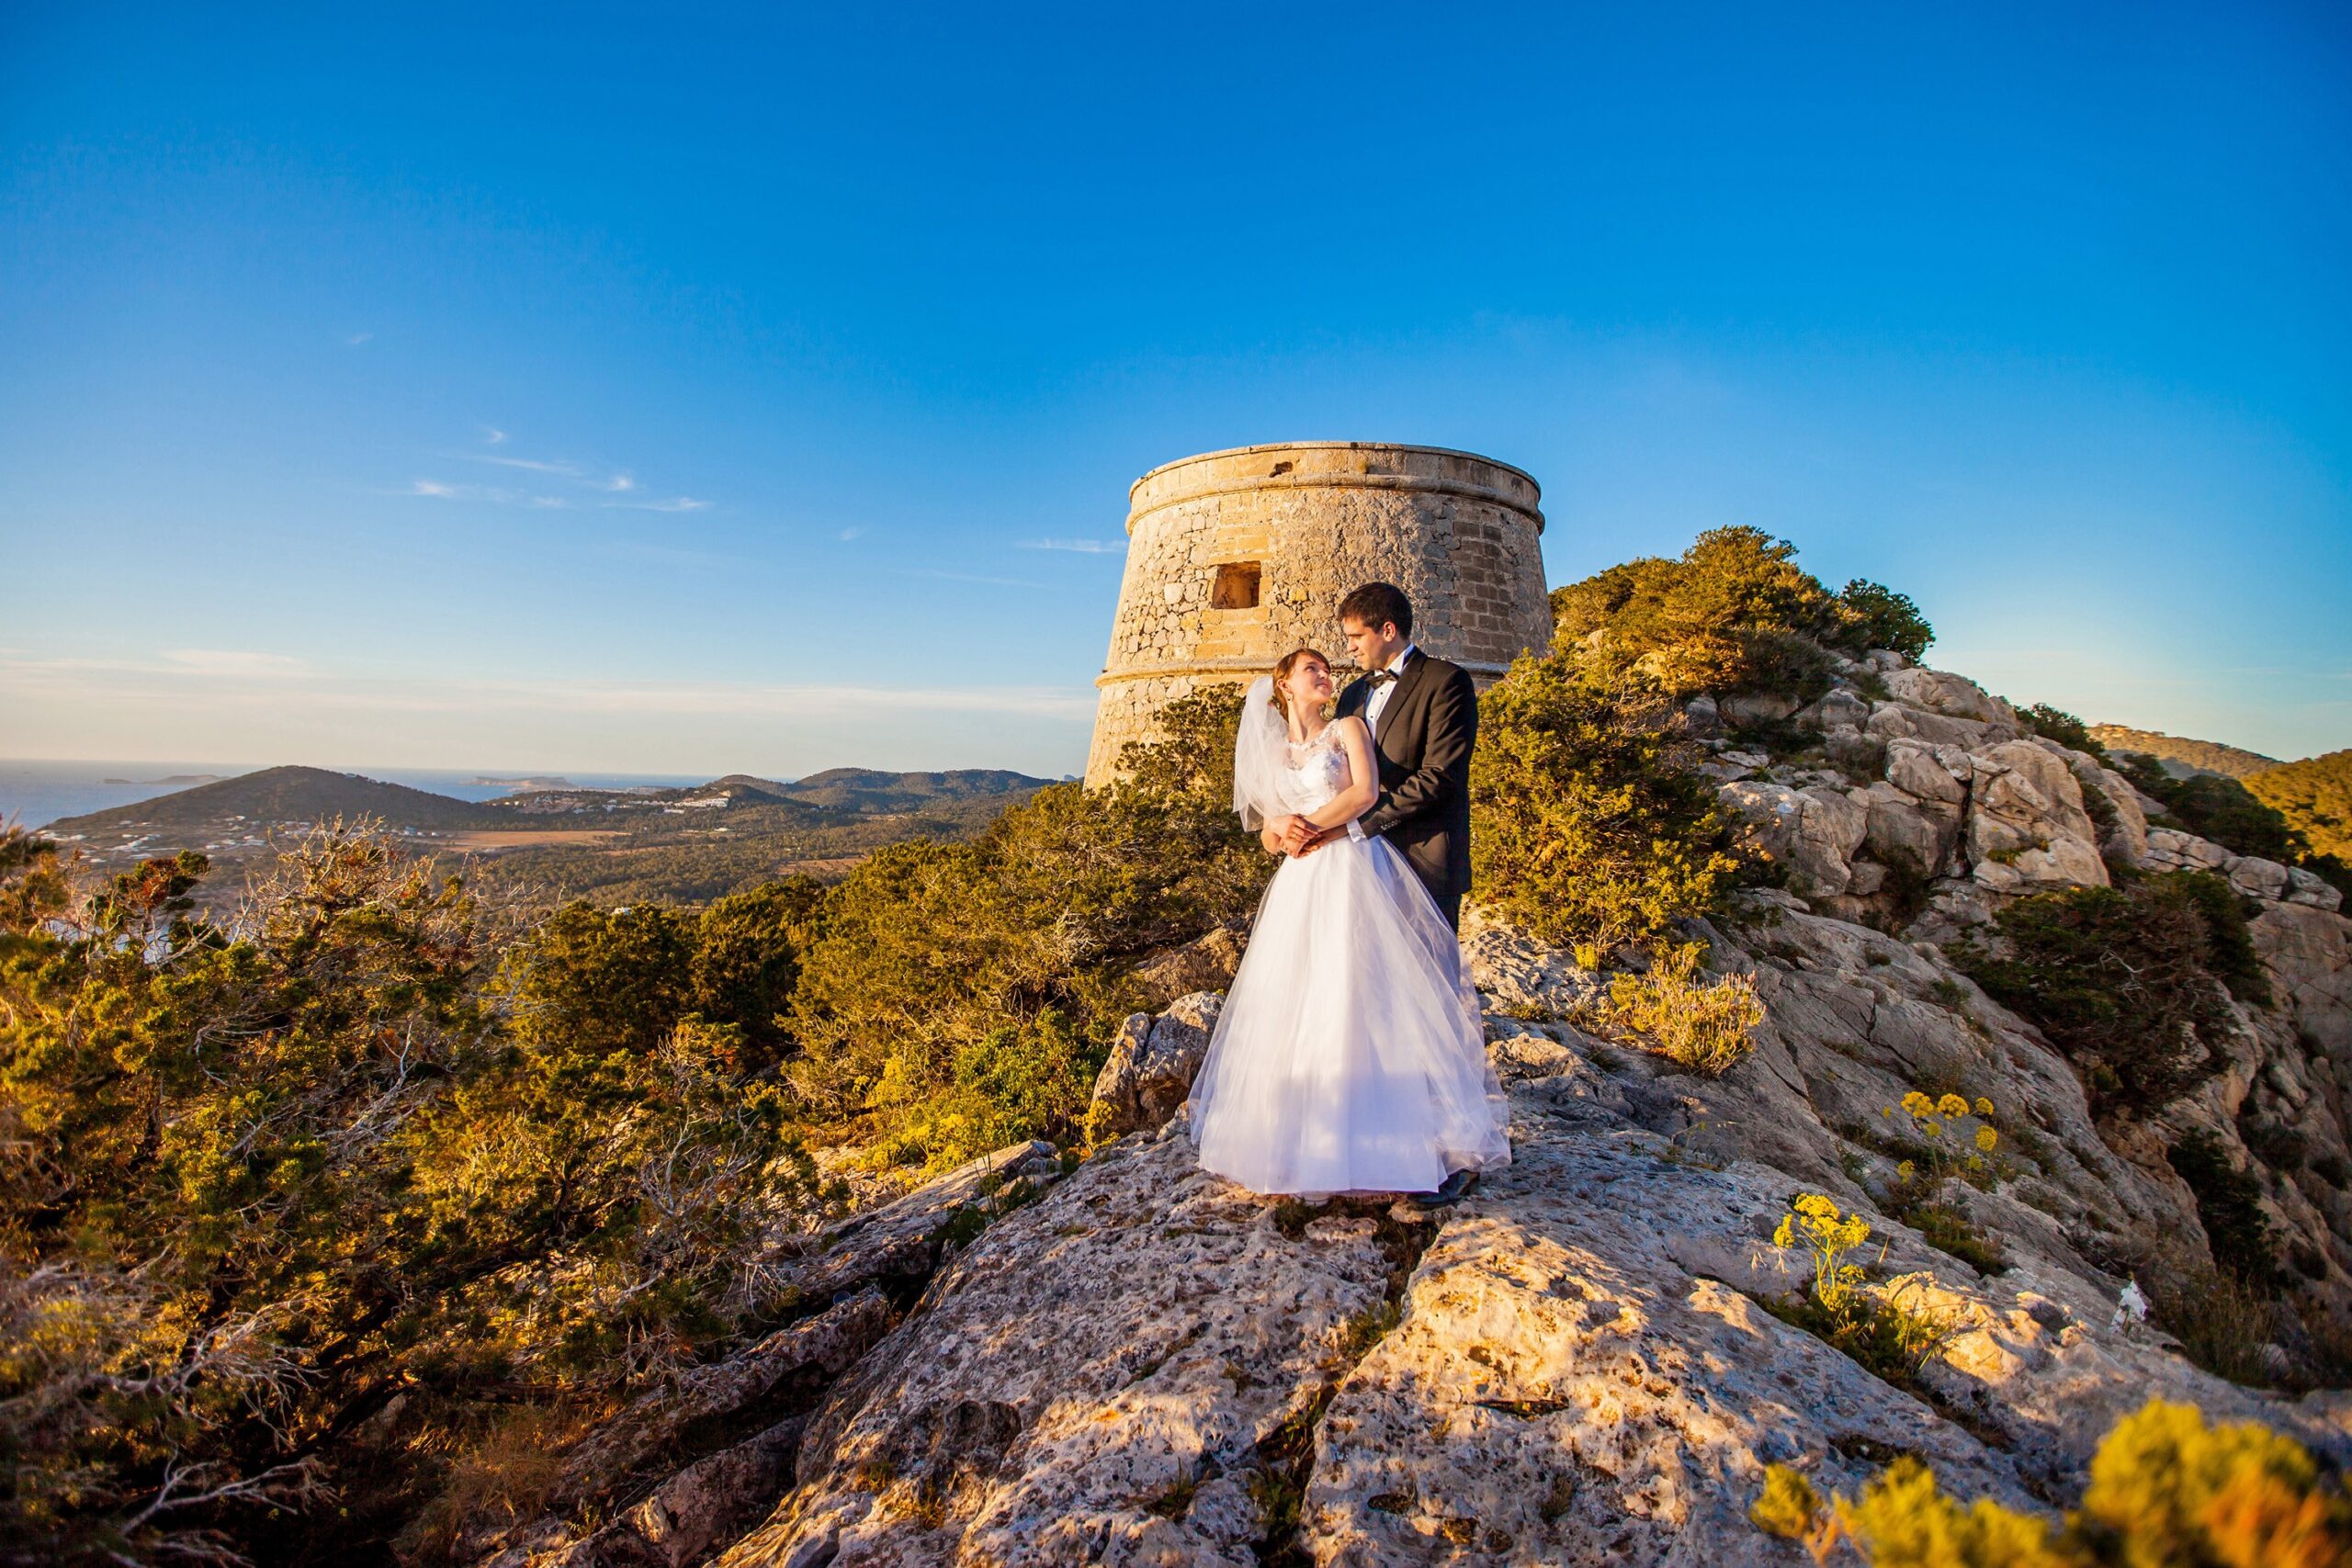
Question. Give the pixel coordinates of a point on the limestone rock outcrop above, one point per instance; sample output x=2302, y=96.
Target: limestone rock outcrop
x=1205, y=964
x=693, y=1462
x=1955, y=809
x=1151, y=1065
x=1149, y=1366
x=1814, y=832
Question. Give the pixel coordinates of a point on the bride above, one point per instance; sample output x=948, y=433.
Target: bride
x=1351, y=1055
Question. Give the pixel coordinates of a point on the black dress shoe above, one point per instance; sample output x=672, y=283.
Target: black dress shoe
x=1456, y=1187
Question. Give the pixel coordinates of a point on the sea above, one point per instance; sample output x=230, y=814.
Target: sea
x=35, y=794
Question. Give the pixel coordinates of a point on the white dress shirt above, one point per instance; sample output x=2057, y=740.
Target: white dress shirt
x=1379, y=698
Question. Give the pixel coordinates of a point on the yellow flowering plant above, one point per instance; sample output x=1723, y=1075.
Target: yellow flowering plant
x=1932, y=1121
x=1828, y=1236
x=1878, y=1329
x=2165, y=1486
x=1941, y=1147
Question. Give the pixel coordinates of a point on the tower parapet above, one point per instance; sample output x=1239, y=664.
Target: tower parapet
x=1236, y=558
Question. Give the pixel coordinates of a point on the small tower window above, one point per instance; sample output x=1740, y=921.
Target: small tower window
x=1235, y=587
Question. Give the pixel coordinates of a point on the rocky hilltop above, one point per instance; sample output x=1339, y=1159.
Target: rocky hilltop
x=1119, y=1360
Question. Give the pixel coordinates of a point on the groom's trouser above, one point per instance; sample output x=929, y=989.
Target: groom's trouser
x=1450, y=905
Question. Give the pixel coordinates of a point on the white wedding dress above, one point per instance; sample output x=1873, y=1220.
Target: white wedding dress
x=1350, y=1054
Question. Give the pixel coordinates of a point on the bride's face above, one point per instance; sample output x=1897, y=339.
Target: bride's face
x=1308, y=685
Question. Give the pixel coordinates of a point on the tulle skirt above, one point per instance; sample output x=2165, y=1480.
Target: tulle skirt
x=1351, y=1054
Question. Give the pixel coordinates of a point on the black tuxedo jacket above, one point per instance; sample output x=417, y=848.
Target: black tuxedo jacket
x=1423, y=742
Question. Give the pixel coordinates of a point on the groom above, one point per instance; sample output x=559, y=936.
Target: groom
x=1423, y=714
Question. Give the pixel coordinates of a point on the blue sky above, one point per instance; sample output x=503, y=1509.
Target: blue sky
x=691, y=388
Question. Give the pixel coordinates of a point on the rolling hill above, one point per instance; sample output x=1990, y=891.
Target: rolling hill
x=2201, y=756
x=2315, y=797
x=283, y=794
x=864, y=790
x=689, y=844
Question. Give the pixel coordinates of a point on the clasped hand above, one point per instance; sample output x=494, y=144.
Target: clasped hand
x=1296, y=836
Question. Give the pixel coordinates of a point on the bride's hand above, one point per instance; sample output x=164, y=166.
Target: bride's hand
x=1278, y=832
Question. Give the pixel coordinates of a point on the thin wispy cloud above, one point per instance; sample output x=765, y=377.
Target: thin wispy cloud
x=608, y=481
x=236, y=661
x=563, y=470
x=1076, y=546
x=846, y=534
x=355, y=339
x=675, y=503
x=492, y=495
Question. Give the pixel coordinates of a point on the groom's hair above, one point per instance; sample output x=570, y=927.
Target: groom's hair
x=1377, y=603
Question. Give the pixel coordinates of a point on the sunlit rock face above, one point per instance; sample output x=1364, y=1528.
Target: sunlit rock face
x=1149, y=1366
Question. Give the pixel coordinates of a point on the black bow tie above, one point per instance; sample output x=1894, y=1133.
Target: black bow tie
x=1380, y=678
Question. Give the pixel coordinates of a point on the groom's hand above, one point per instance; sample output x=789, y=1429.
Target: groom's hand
x=1316, y=837
x=1297, y=836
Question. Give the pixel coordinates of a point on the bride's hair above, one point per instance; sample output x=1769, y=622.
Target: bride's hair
x=1288, y=662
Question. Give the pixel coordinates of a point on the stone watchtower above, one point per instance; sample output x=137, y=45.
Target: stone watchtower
x=1236, y=558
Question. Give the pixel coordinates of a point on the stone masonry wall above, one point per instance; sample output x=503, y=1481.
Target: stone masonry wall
x=1459, y=534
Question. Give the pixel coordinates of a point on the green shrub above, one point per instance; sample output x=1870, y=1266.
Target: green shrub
x=747, y=961
x=2165, y=1488
x=1735, y=613
x=951, y=996
x=1951, y=1232
x=2125, y=981
x=1872, y=617
x=2229, y=1205
x=599, y=980
x=1591, y=830
x=2232, y=955
x=2056, y=724
x=2223, y=1324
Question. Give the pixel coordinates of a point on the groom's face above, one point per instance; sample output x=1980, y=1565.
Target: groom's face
x=1372, y=647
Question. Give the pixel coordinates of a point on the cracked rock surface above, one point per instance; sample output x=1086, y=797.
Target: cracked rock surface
x=1149, y=1366
x=1105, y=1376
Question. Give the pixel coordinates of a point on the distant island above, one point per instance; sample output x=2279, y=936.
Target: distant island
x=488, y=782
x=181, y=779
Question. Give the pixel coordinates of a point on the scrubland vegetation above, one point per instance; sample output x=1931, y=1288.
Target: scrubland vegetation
x=2132, y=983
x=373, y=1143
x=2314, y=796
x=382, y=1141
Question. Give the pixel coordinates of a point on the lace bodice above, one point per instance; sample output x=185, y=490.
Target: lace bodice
x=1313, y=774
